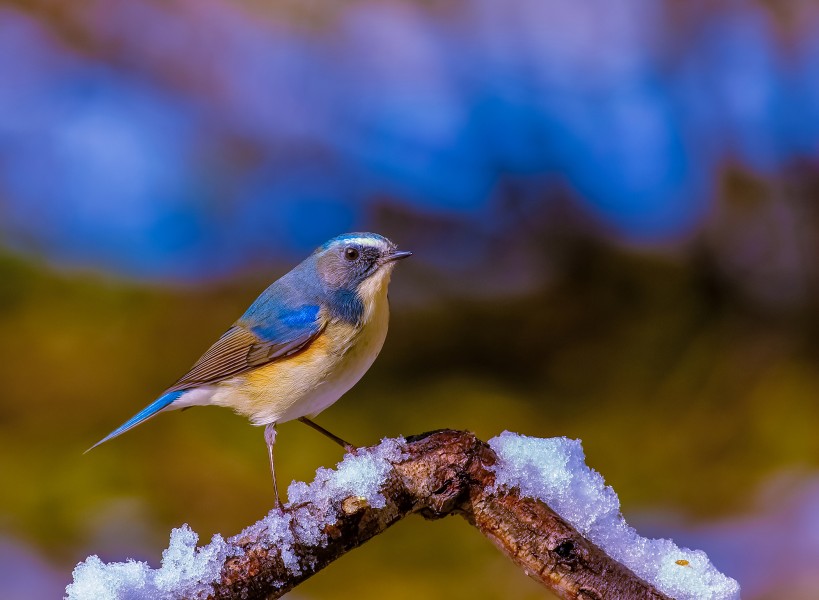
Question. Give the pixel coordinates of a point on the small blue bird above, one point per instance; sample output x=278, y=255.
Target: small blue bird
x=304, y=342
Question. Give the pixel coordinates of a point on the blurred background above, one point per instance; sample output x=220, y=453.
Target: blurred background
x=612, y=205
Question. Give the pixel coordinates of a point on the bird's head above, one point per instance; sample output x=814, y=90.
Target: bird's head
x=358, y=262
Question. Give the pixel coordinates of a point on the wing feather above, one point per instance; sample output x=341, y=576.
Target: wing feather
x=240, y=350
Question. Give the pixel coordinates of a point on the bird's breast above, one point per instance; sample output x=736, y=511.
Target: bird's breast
x=308, y=382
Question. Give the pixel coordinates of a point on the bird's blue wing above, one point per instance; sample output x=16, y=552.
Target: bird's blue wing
x=253, y=342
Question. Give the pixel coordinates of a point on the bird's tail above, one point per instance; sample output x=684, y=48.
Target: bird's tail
x=143, y=415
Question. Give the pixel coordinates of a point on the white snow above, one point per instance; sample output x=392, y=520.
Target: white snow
x=188, y=571
x=362, y=474
x=554, y=471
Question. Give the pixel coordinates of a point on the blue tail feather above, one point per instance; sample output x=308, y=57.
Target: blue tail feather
x=143, y=415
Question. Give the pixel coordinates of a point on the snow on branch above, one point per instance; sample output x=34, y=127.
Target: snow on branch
x=534, y=498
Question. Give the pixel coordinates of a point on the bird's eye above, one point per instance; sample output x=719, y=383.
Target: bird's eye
x=351, y=253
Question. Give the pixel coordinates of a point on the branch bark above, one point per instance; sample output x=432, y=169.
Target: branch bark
x=445, y=473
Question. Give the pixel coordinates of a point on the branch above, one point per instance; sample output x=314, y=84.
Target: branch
x=442, y=473
x=499, y=488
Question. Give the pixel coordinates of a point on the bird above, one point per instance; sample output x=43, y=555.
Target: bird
x=301, y=345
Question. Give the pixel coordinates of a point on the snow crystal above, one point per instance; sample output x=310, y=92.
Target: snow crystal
x=185, y=570
x=362, y=475
x=276, y=530
x=554, y=471
x=189, y=571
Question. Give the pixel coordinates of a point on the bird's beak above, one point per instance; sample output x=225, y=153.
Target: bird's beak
x=397, y=255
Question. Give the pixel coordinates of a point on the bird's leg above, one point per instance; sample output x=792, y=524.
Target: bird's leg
x=348, y=447
x=270, y=439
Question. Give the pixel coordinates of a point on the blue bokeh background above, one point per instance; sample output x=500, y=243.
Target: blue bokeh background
x=193, y=138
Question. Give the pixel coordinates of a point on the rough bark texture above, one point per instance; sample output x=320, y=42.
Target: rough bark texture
x=445, y=473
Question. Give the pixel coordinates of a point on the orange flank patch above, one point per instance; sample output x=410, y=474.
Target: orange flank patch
x=307, y=359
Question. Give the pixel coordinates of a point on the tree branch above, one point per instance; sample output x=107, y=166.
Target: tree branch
x=442, y=473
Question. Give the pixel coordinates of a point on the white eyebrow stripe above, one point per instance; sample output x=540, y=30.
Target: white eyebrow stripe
x=363, y=241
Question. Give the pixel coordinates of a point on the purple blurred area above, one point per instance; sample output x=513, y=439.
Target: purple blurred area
x=25, y=575
x=193, y=138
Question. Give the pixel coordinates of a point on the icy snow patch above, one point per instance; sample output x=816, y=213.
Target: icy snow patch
x=554, y=471
x=186, y=571
x=362, y=474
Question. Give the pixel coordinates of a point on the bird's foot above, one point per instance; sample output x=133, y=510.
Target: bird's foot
x=348, y=447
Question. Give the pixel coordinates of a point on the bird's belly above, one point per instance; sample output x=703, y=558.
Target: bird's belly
x=308, y=382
